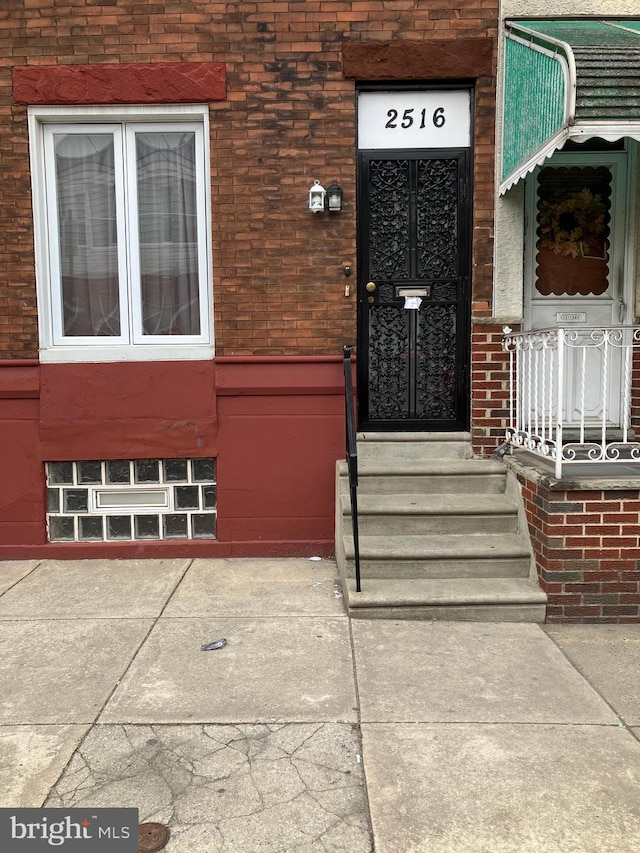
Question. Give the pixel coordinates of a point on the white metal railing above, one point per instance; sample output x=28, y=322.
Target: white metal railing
x=570, y=394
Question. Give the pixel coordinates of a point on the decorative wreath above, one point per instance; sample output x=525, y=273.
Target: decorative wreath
x=574, y=226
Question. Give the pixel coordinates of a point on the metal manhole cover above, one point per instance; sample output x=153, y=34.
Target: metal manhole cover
x=151, y=837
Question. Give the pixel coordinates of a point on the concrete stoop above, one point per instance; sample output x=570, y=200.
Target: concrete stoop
x=442, y=535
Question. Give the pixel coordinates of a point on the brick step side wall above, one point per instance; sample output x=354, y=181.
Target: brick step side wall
x=489, y=387
x=586, y=545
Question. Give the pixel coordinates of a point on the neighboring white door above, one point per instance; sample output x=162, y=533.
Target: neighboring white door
x=578, y=273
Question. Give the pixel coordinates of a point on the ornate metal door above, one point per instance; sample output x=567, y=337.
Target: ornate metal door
x=413, y=283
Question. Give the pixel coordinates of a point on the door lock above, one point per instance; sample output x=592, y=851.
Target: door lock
x=370, y=286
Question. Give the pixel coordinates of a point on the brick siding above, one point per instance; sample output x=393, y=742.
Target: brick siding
x=587, y=551
x=288, y=119
x=489, y=388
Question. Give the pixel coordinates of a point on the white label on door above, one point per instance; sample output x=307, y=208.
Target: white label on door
x=577, y=317
x=428, y=119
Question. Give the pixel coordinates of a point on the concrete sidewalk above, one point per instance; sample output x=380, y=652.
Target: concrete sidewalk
x=308, y=732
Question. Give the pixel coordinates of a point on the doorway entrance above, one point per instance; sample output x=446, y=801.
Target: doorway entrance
x=578, y=275
x=414, y=262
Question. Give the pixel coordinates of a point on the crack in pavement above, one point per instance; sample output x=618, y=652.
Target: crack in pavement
x=268, y=787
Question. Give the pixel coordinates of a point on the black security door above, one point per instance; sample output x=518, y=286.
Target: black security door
x=413, y=289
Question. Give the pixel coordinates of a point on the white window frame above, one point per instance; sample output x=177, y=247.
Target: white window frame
x=131, y=344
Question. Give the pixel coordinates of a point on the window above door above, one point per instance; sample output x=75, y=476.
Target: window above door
x=122, y=229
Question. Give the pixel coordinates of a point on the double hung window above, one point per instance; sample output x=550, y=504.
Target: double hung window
x=122, y=234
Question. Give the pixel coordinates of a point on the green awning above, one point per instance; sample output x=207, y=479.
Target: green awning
x=567, y=79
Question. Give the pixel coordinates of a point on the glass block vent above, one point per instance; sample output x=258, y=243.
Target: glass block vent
x=120, y=500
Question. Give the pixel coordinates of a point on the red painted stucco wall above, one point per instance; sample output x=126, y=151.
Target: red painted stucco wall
x=281, y=431
x=133, y=410
x=275, y=426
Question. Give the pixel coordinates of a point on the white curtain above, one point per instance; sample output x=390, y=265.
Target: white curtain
x=168, y=238
x=85, y=184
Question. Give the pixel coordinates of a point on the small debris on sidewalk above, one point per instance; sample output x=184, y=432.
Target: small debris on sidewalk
x=315, y=559
x=215, y=644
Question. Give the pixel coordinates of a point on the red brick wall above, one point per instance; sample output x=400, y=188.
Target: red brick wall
x=586, y=548
x=489, y=388
x=289, y=118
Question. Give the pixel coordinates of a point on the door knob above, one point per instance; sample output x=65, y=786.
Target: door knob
x=370, y=286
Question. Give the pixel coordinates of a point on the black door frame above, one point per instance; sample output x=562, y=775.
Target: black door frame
x=463, y=301
x=465, y=236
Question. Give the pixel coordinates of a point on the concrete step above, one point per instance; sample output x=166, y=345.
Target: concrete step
x=414, y=445
x=489, y=555
x=453, y=599
x=422, y=514
x=441, y=536
x=430, y=476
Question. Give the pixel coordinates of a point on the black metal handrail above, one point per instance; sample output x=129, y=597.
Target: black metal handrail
x=352, y=456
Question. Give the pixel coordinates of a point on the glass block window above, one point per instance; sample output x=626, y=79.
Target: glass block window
x=131, y=499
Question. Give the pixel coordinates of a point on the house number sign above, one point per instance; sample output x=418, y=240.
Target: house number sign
x=415, y=119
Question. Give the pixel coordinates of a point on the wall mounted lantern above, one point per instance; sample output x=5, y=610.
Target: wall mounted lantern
x=334, y=197
x=316, y=197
